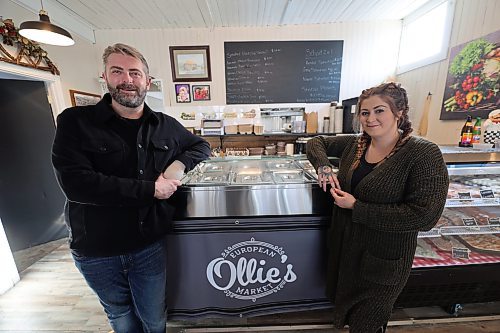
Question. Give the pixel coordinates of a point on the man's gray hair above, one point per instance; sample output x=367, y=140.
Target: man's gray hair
x=125, y=50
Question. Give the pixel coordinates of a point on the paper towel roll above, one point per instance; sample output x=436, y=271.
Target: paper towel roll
x=332, y=119
x=338, y=121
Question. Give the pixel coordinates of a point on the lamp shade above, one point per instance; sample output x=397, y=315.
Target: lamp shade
x=45, y=32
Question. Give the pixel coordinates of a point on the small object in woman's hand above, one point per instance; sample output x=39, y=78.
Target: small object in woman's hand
x=325, y=176
x=326, y=169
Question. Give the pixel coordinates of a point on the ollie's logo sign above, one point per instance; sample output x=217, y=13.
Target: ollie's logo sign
x=250, y=270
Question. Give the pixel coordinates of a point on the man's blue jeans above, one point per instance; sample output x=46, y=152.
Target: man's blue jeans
x=130, y=287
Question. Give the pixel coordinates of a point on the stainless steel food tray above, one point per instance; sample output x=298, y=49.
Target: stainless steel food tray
x=251, y=188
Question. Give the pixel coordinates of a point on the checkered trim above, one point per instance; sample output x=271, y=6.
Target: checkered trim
x=490, y=136
x=447, y=260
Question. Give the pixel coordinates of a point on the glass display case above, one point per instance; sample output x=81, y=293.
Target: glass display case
x=228, y=204
x=468, y=231
x=458, y=261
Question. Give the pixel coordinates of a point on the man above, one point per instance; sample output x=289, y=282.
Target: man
x=118, y=162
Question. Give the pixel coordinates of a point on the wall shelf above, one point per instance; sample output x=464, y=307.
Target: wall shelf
x=254, y=141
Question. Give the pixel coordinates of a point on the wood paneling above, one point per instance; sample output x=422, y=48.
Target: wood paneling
x=472, y=20
x=174, y=14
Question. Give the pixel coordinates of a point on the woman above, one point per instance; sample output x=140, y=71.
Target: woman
x=390, y=186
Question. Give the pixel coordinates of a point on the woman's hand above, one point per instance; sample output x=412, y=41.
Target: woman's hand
x=326, y=176
x=343, y=199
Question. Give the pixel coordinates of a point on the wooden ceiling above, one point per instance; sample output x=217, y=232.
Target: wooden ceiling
x=173, y=14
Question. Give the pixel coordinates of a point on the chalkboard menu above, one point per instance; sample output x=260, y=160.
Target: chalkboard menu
x=282, y=71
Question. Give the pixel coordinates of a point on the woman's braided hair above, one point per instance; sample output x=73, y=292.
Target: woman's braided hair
x=397, y=99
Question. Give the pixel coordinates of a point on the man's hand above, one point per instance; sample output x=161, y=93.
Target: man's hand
x=174, y=170
x=164, y=188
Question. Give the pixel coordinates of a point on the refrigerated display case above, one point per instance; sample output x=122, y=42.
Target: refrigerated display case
x=458, y=261
x=250, y=238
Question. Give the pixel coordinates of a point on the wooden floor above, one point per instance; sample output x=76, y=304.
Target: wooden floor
x=53, y=297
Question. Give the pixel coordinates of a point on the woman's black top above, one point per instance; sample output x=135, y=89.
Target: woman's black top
x=361, y=171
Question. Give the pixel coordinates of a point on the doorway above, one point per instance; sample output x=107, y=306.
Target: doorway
x=31, y=202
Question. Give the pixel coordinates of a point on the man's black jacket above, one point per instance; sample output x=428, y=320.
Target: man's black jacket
x=107, y=211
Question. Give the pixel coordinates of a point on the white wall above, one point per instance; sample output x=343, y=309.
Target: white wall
x=370, y=53
x=370, y=50
x=472, y=20
x=75, y=63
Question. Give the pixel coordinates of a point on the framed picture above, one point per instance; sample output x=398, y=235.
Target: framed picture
x=182, y=93
x=190, y=63
x=80, y=98
x=472, y=86
x=201, y=92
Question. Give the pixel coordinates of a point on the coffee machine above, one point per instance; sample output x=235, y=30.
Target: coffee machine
x=280, y=120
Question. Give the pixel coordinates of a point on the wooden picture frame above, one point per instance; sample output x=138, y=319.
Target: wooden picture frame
x=81, y=98
x=201, y=92
x=190, y=63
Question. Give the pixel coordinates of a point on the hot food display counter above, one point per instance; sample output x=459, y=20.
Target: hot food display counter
x=249, y=238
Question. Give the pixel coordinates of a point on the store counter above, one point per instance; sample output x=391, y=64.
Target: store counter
x=250, y=238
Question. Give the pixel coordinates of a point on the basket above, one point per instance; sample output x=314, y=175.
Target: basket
x=258, y=129
x=256, y=151
x=237, y=152
x=245, y=128
x=231, y=129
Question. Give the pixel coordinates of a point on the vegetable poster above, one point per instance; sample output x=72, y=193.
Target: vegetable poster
x=473, y=80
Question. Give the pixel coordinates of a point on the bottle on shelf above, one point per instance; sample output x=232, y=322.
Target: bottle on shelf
x=476, y=131
x=326, y=124
x=466, y=133
x=339, y=119
x=331, y=113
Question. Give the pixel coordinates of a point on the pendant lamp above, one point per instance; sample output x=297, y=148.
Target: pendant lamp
x=45, y=32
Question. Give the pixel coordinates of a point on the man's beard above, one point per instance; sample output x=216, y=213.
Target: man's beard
x=130, y=101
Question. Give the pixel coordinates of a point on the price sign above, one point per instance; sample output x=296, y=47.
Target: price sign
x=460, y=253
x=494, y=220
x=464, y=195
x=469, y=221
x=487, y=194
